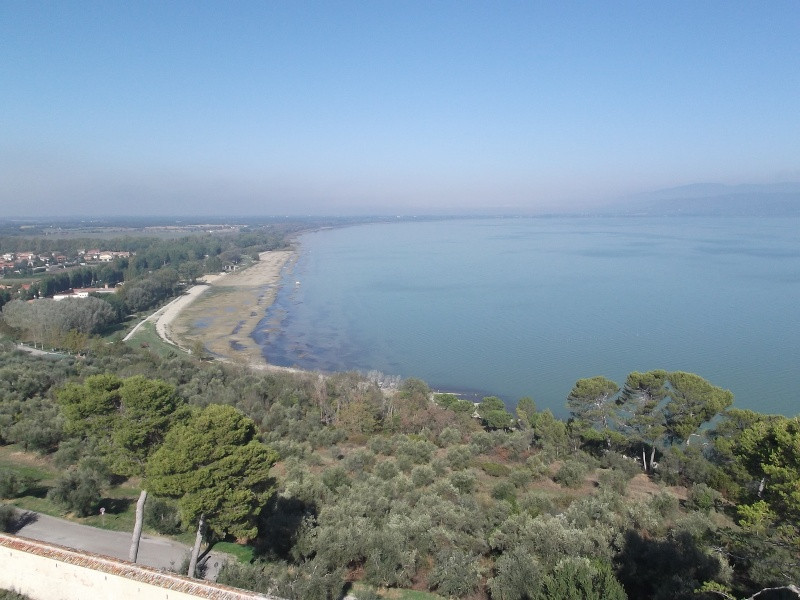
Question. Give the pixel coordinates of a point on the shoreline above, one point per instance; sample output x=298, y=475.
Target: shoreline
x=223, y=313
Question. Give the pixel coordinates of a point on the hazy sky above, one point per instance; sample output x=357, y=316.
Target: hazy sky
x=263, y=108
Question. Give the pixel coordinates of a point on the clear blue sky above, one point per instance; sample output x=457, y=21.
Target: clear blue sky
x=290, y=107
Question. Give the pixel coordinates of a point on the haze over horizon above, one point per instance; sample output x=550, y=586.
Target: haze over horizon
x=256, y=108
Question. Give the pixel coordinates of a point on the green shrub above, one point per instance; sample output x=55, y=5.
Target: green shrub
x=483, y=441
x=419, y=450
x=8, y=516
x=665, y=504
x=162, y=516
x=13, y=484
x=520, y=477
x=463, y=481
x=703, y=498
x=422, y=475
x=614, y=480
x=449, y=436
x=380, y=444
x=495, y=469
x=537, y=467
x=504, y=490
x=335, y=477
x=571, y=474
x=359, y=460
x=455, y=573
x=386, y=469
x=459, y=457
x=535, y=504
x=439, y=466
x=404, y=463
x=79, y=490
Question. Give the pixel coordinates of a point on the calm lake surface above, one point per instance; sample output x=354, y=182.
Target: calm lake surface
x=525, y=307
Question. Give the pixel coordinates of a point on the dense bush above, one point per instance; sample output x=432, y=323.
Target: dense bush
x=495, y=469
x=162, y=515
x=8, y=516
x=13, y=484
x=79, y=489
x=571, y=474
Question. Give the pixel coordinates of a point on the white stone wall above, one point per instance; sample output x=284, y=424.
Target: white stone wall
x=49, y=572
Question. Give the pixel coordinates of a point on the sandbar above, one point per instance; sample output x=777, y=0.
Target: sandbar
x=227, y=311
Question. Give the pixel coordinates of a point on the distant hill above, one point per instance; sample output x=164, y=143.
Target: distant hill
x=714, y=199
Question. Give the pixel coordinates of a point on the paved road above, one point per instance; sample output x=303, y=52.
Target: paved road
x=161, y=553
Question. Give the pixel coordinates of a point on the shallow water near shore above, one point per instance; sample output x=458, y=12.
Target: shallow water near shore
x=525, y=307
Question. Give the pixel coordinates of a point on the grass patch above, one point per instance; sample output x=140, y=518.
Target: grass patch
x=147, y=337
x=37, y=504
x=243, y=554
x=392, y=593
x=27, y=464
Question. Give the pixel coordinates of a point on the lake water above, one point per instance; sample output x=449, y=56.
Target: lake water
x=525, y=307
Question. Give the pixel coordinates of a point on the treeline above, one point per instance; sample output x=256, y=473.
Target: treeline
x=158, y=271
x=391, y=489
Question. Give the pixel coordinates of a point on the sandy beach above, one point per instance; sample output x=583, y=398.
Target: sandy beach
x=224, y=311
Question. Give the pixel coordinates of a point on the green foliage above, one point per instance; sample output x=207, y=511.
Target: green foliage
x=89, y=407
x=571, y=474
x=162, y=515
x=518, y=576
x=8, y=517
x=422, y=475
x=359, y=460
x=493, y=413
x=591, y=401
x=755, y=517
x=459, y=457
x=335, y=477
x=214, y=466
x=50, y=321
x=463, y=481
x=418, y=451
x=537, y=468
x=495, y=469
x=762, y=556
x=13, y=484
x=692, y=402
x=703, y=498
x=535, y=504
x=386, y=469
x=550, y=434
x=665, y=504
x=640, y=404
x=449, y=436
x=307, y=581
x=768, y=449
x=614, y=480
x=455, y=573
x=580, y=578
x=526, y=412
x=483, y=442
x=504, y=490
x=446, y=400
x=126, y=418
x=79, y=490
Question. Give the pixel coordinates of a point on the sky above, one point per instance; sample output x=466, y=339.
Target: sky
x=376, y=107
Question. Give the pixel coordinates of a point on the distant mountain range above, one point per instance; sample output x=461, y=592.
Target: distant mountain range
x=713, y=199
